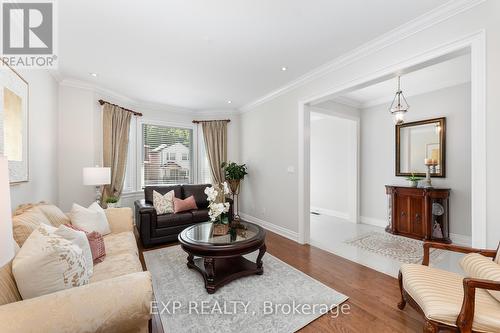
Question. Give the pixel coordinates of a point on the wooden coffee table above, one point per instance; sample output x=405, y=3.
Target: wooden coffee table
x=220, y=259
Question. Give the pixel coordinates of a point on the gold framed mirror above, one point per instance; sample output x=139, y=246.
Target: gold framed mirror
x=419, y=142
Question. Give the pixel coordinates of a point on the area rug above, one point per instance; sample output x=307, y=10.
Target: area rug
x=283, y=299
x=403, y=249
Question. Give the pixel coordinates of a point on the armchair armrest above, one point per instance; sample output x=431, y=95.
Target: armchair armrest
x=121, y=304
x=120, y=219
x=454, y=248
x=466, y=316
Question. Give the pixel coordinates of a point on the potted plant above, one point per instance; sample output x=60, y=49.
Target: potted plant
x=112, y=202
x=234, y=173
x=413, y=180
x=218, y=208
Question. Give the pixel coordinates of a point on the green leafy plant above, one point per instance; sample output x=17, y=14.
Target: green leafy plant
x=413, y=178
x=233, y=171
x=112, y=200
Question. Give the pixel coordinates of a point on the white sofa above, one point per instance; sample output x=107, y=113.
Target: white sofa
x=118, y=298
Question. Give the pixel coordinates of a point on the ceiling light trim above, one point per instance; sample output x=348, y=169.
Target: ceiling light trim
x=425, y=21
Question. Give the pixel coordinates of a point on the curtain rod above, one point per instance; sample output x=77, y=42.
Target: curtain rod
x=138, y=114
x=207, y=121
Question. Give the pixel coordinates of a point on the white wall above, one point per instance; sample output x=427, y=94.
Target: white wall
x=80, y=138
x=378, y=151
x=270, y=129
x=43, y=166
x=331, y=159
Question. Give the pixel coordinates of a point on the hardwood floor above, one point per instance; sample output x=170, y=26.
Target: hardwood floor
x=372, y=295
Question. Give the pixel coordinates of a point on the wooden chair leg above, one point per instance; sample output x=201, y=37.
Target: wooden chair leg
x=402, y=303
x=430, y=327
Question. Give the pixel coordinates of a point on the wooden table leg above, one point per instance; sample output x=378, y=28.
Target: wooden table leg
x=209, y=264
x=190, y=260
x=262, y=251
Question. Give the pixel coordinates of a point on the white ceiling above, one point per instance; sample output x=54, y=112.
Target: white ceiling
x=438, y=76
x=199, y=54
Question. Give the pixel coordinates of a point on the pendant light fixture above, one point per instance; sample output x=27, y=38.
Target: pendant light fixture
x=399, y=105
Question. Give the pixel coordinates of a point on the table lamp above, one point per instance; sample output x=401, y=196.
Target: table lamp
x=97, y=176
x=6, y=237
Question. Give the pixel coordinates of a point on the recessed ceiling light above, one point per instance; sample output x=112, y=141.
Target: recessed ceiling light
x=229, y=102
x=93, y=74
x=284, y=68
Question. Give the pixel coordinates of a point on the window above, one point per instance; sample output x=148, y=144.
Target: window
x=171, y=156
x=161, y=146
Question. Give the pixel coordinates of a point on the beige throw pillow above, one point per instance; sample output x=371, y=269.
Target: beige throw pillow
x=53, y=214
x=164, y=204
x=27, y=222
x=80, y=239
x=90, y=219
x=480, y=267
x=48, y=263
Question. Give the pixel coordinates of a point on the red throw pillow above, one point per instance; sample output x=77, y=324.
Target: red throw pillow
x=184, y=205
x=96, y=242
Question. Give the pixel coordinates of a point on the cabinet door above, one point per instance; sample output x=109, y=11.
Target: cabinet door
x=416, y=216
x=403, y=211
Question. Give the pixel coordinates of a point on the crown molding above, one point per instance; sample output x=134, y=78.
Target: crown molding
x=139, y=104
x=414, y=93
x=347, y=102
x=429, y=19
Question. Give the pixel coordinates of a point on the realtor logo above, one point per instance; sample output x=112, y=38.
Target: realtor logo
x=28, y=34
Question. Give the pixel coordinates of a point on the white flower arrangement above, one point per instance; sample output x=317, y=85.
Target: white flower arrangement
x=217, y=201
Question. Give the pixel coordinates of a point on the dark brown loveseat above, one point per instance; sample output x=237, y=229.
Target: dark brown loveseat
x=158, y=229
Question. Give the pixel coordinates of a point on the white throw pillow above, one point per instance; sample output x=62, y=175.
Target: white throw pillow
x=80, y=239
x=90, y=219
x=48, y=263
x=164, y=204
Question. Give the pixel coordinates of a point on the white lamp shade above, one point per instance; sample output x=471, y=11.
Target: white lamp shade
x=6, y=238
x=96, y=176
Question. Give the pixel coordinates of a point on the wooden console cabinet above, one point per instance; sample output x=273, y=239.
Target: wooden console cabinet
x=420, y=213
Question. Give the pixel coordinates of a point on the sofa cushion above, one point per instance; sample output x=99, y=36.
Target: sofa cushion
x=148, y=191
x=48, y=263
x=90, y=219
x=116, y=265
x=198, y=191
x=200, y=215
x=27, y=222
x=123, y=242
x=170, y=220
x=122, y=257
x=55, y=216
x=164, y=204
x=8, y=287
x=440, y=294
x=184, y=205
x=480, y=267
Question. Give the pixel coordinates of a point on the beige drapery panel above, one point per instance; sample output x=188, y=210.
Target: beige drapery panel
x=215, y=135
x=116, y=128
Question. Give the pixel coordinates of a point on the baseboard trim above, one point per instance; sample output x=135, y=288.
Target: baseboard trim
x=329, y=212
x=292, y=235
x=373, y=221
x=461, y=239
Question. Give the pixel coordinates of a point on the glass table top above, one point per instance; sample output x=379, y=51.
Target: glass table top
x=203, y=233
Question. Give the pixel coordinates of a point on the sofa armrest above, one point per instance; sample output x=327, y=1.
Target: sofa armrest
x=453, y=248
x=466, y=316
x=120, y=219
x=145, y=220
x=121, y=304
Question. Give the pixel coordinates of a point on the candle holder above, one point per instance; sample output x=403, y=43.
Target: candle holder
x=428, y=181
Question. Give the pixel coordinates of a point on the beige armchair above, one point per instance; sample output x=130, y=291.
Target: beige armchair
x=447, y=300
